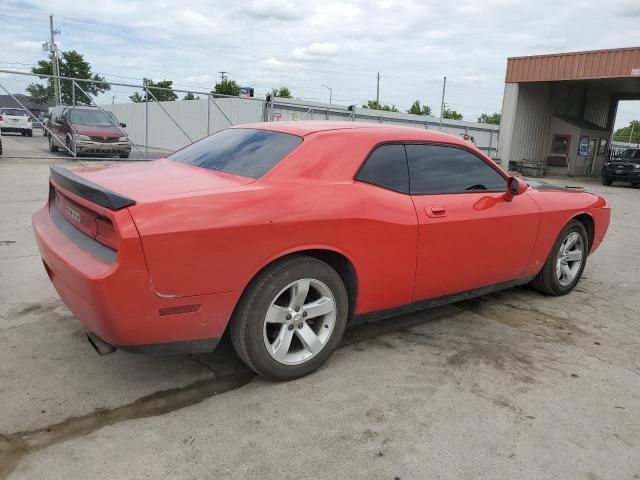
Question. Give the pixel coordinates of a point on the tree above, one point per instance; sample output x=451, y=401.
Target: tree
x=625, y=134
x=451, y=114
x=165, y=95
x=73, y=65
x=227, y=87
x=375, y=105
x=418, y=109
x=282, y=92
x=190, y=96
x=493, y=119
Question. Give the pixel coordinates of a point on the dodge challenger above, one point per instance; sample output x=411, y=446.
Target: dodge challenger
x=283, y=233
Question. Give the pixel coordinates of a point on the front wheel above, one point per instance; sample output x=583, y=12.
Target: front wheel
x=291, y=318
x=52, y=146
x=565, y=263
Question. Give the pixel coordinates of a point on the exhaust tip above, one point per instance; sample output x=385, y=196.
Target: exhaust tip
x=99, y=345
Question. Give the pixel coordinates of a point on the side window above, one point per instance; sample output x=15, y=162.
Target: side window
x=443, y=169
x=386, y=167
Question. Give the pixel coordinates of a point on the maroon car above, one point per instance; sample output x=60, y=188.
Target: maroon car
x=87, y=131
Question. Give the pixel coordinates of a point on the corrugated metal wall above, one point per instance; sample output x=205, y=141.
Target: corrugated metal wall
x=598, y=107
x=531, y=122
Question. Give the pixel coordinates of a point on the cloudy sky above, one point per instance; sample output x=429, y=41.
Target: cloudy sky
x=306, y=44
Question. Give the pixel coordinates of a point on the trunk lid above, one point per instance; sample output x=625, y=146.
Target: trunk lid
x=158, y=179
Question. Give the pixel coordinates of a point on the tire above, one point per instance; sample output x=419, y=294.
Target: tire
x=30, y=133
x=69, y=144
x=52, y=146
x=553, y=279
x=273, y=292
x=606, y=180
x=124, y=155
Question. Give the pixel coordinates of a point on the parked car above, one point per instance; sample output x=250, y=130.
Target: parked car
x=16, y=120
x=87, y=131
x=285, y=232
x=625, y=168
x=0, y=142
x=40, y=122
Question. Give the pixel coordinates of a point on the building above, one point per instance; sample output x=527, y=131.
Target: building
x=559, y=110
x=14, y=101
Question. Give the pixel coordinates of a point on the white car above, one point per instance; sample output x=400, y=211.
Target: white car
x=16, y=120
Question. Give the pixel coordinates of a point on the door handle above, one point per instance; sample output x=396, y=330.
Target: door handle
x=435, y=211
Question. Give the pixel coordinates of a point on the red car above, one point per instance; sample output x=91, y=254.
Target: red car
x=286, y=232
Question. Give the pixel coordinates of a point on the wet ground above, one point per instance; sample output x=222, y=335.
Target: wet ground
x=511, y=385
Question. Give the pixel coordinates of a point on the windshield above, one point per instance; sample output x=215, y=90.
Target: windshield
x=240, y=151
x=93, y=117
x=14, y=112
x=631, y=154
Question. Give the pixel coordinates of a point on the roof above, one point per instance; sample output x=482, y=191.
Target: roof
x=9, y=102
x=381, y=132
x=587, y=65
x=306, y=127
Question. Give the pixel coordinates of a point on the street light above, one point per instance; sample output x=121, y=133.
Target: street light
x=330, y=92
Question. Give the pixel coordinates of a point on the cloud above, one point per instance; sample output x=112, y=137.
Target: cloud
x=27, y=45
x=283, y=10
x=316, y=52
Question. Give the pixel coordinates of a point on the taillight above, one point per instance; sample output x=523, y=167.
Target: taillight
x=29, y=119
x=0, y=118
x=105, y=233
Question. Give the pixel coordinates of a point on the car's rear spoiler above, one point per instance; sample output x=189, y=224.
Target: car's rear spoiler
x=87, y=189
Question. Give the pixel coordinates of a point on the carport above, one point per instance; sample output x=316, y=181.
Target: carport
x=559, y=110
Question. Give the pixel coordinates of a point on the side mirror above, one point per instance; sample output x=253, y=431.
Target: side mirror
x=123, y=125
x=515, y=187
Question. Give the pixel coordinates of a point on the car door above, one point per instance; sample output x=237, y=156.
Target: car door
x=470, y=235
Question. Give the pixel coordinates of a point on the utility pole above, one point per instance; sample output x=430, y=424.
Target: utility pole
x=378, y=90
x=633, y=124
x=444, y=86
x=222, y=74
x=54, y=60
x=330, y=92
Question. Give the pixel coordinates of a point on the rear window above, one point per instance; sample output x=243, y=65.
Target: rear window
x=14, y=112
x=239, y=151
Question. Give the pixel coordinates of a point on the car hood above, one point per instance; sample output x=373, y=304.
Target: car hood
x=149, y=181
x=98, y=131
x=540, y=185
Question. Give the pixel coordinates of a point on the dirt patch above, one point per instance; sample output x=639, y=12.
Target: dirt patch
x=15, y=446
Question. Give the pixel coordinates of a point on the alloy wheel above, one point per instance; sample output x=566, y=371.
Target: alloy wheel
x=570, y=258
x=299, y=321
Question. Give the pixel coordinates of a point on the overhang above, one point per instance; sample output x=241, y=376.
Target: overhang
x=619, y=63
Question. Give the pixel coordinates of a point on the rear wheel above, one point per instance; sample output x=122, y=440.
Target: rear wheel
x=606, y=180
x=124, y=155
x=565, y=264
x=30, y=133
x=291, y=318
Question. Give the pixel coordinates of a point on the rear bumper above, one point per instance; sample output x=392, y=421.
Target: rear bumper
x=116, y=300
x=16, y=129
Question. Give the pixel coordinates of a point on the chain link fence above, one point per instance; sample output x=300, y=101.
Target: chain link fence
x=44, y=116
